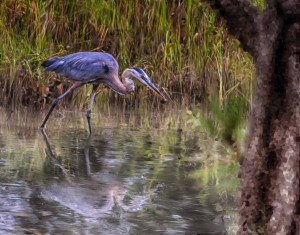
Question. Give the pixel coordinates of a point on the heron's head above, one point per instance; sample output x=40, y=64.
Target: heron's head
x=143, y=78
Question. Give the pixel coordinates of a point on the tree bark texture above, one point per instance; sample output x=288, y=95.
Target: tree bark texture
x=270, y=169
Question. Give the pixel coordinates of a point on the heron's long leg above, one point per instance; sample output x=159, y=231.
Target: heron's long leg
x=54, y=103
x=88, y=113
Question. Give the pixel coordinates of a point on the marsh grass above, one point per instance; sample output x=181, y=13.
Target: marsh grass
x=183, y=46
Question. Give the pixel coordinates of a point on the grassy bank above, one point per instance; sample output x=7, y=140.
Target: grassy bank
x=183, y=46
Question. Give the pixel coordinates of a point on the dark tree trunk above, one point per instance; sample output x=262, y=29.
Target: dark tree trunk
x=270, y=170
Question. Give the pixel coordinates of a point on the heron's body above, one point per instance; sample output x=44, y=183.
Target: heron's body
x=94, y=68
x=87, y=67
x=83, y=66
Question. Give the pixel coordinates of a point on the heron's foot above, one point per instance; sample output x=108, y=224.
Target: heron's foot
x=90, y=135
x=42, y=129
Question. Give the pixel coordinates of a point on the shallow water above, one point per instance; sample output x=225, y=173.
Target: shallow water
x=139, y=173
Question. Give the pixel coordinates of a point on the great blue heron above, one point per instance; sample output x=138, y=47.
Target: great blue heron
x=95, y=68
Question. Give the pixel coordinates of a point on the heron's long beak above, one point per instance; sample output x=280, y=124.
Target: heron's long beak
x=148, y=82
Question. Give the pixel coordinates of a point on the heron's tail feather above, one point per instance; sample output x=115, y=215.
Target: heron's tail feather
x=47, y=64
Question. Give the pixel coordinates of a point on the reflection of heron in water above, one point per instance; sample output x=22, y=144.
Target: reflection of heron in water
x=54, y=159
x=66, y=173
x=92, y=197
x=95, y=68
x=81, y=197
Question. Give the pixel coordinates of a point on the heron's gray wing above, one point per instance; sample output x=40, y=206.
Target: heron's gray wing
x=85, y=66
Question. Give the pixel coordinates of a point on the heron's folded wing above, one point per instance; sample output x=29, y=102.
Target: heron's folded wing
x=80, y=68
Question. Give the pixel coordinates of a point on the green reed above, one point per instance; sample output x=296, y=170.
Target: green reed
x=183, y=46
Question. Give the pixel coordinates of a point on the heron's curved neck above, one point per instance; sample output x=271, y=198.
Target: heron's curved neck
x=122, y=86
x=125, y=75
